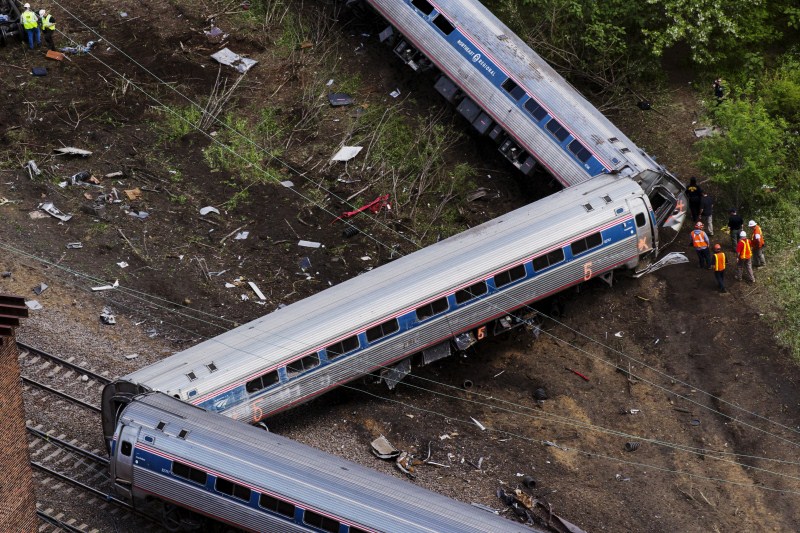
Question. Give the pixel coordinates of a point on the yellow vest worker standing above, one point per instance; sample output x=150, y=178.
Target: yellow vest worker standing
x=758, y=243
x=744, y=252
x=48, y=27
x=701, y=245
x=718, y=265
x=31, y=25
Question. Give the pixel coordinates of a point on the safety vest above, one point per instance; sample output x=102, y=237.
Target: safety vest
x=757, y=231
x=699, y=239
x=47, y=25
x=745, y=252
x=29, y=20
x=719, y=261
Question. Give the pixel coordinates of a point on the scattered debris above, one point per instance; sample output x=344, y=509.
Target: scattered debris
x=350, y=231
x=695, y=422
x=122, y=264
x=40, y=288
x=79, y=49
x=5, y=274
x=480, y=426
x=80, y=177
x=32, y=168
x=208, y=209
x=309, y=244
x=232, y=59
x=33, y=305
x=215, y=35
x=52, y=54
x=619, y=477
x=577, y=373
x=106, y=287
x=705, y=132
x=672, y=258
x=287, y=183
x=112, y=175
x=74, y=245
x=485, y=508
x=374, y=206
x=632, y=446
x=395, y=93
x=529, y=482
x=53, y=211
x=39, y=71
x=108, y=317
x=467, y=384
x=304, y=263
x=71, y=150
x=132, y=356
x=340, y=99
x=4, y=201
x=133, y=194
x=346, y=153
x=618, y=334
x=382, y=448
x=540, y=394
x=257, y=291
x=242, y=235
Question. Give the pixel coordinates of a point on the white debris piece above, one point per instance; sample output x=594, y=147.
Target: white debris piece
x=53, y=211
x=309, y=244
x=395, y=93
x=242, y=235
x=481, y=426
x=257, y=290
x=346, y=153
x=132, y=356
x=208, y=209
x=33, y=305
x=122, y=264
x=69, y=150
x=232, y=59
x=107, y=287
x=287, y=183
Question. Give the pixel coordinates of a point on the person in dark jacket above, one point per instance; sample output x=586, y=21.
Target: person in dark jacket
x=707, y=212
x=735, y=223
x=695, y=195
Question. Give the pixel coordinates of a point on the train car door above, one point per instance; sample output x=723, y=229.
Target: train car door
x=644, y=231
x=123, y=462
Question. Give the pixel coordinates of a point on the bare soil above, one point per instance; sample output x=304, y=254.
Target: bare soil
x=669, y=362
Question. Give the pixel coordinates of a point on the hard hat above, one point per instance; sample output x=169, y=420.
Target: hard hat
x=27, y=6
x=42, y=12
x=717, y=247
x=751, y=223
x=699, y=225
x=743, y=234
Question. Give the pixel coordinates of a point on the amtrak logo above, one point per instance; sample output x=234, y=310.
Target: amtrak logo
x=476, y=58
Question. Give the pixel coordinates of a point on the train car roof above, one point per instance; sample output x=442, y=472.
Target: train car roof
x=298, y=473
x=316, y=321
x=549, y=88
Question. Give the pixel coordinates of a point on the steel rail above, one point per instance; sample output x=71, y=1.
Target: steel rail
x=63, y=362
x=64, y=395
x=70, y=447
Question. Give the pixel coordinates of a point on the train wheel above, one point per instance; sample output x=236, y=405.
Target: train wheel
x=171, y=517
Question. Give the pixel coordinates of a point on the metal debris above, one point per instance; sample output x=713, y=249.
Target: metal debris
x=106, y=287
x=340, y=99
x=485, y=508
x=242, y=235
x=309, y=244
x=382, y=449
x=673, y=258
x=33, y=305
x=74, y=245
x=53, y=211
x=71, y=150
x=108, y=317
x=481, y=426
x=40, y=288
x=209, y=209
x=346, y=153
x=257, y=291
x=33, y=170
x=232, y=59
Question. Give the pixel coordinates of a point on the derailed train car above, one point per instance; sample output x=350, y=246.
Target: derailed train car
x=513, y=96
x=10, y=26
x=205, y=472
x=417, y=309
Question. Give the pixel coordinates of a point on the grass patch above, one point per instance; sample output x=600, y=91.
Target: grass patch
x=175, y=122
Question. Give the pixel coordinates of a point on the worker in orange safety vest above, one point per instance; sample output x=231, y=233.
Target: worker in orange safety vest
x=757, y=240
x=744, y=252
x=718, y=266
x=701, y=243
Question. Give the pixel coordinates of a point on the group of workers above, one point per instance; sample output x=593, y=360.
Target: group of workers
x=39, y=26
x=748, y=250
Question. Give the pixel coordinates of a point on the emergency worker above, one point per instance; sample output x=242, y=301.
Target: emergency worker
x=718, y=265
x=48, y=24
x=744, y=252
x=701, y=243
x=31, y=25
x=736, y=224
x=757, y=239
x=695, y=195
x=707, y=212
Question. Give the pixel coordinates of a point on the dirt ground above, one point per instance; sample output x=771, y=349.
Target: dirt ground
x=693, y=376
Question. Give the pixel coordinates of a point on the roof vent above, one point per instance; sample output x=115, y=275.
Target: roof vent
x=192, y=376
x=211, y=367
x=183, y=434
x=588, y=207
x=161, y=425
x=607, y=199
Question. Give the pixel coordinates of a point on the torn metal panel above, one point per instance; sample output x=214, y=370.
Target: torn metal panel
x=53, y=211
x=383, y=449
x=674, y=258
x=394, y=375
x=71, y=150
x=346, y=153
x=434, y=353
x=232, y=59
x=464, y=340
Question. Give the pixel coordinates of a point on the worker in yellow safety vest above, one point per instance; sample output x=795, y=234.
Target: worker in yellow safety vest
x=31, y=25
x=48, y=27
x=744, y=251
x=718, y=266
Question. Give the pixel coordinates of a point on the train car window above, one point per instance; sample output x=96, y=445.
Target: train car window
x=262, y=382
x=592, y=241
x=187, y=472
x=533, y=107
x=192, y=376
x=473, y=291
x=322, y=522
x=513, y=89
x=423, y=6
x=559, y=131
x=443, y=24
x=342, y=347
x=302, y=365
x=211, y=367
x=126, y=448
x=509, y=276
x=548, y=259
x=579, y=150
x=640, y=220
x=232, y=489
x=432, y=309
x=161, y=425
x=278, y=506
x=356, y=530
x=382, y=330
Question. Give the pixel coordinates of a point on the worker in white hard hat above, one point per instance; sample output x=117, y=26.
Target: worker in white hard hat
x=757, y=237
x=31, y=24
x=48, y=25
x=744, y=255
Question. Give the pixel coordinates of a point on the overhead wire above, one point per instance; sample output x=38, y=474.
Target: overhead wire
x=189, y=316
